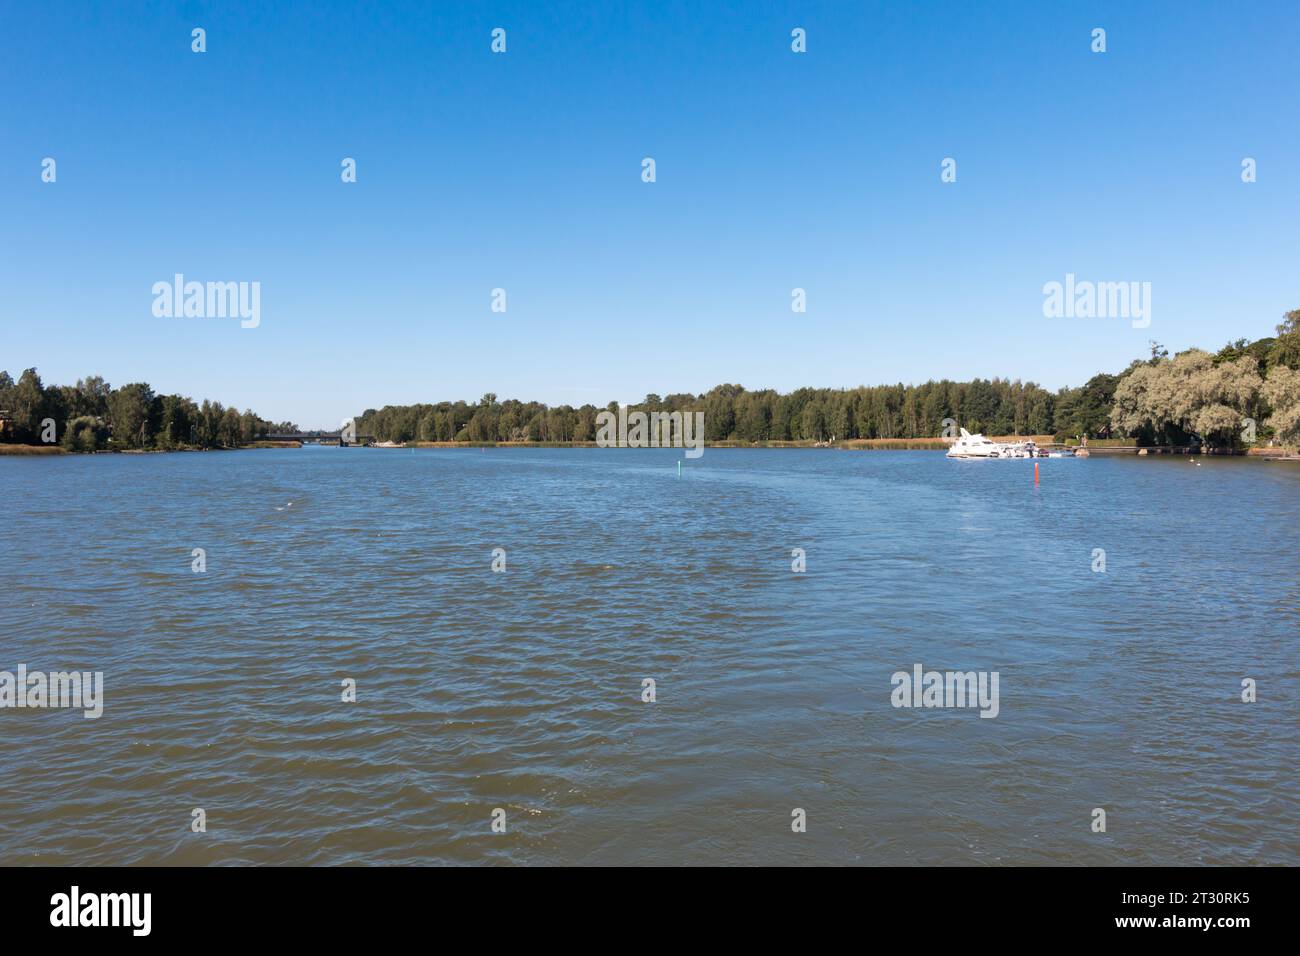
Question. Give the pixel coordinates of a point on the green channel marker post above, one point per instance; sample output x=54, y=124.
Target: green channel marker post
x=679, y=467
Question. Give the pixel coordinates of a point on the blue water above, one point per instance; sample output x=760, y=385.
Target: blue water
x=521, y=690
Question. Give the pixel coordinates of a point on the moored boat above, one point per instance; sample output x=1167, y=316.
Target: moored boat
x=977, y=446
x=974, y=446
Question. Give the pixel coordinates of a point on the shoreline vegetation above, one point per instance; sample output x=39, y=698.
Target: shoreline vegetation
x=1244, y=399
x=93, y=416
x=1095, y=447
x=1247, y=395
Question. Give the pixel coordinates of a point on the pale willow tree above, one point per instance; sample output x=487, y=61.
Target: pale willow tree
x=1282, y=392
x=1188, y=392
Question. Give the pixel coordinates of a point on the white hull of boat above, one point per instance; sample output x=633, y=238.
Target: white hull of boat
x=977, y=446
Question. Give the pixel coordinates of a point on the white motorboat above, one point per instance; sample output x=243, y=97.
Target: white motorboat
x=977, y=446
x=974, y=446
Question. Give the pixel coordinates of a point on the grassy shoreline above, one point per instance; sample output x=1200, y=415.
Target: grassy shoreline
x=34, y=450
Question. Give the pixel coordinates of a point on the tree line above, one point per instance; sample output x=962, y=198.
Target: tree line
x=1158, y=400
x=92, y=415
x=733, y=413
x=1246, y=391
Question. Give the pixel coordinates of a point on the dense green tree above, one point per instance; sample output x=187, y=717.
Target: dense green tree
x=91, y=396
x=1086, y=411
x=229, y=428
x=1188, y=397
x=130, y=415
x=1286, y=347
x=85, y=433
x=176, y=417
x=27, y=403
x=1282, y=391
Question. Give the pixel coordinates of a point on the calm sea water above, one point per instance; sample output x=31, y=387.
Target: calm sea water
x=521, y=690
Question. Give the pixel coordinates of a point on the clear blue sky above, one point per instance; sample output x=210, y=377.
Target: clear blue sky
x=522, y=171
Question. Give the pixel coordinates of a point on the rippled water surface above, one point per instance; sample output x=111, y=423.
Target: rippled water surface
x=522, y=690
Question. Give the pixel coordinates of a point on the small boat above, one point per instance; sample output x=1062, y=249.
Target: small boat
x=1021, y=449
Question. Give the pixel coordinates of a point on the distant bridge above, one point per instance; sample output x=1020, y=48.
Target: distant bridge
x=320, y=438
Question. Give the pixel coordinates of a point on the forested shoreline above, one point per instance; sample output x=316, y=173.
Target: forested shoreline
x=1195, y=396
x=1246, y=393
x=93, y=416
